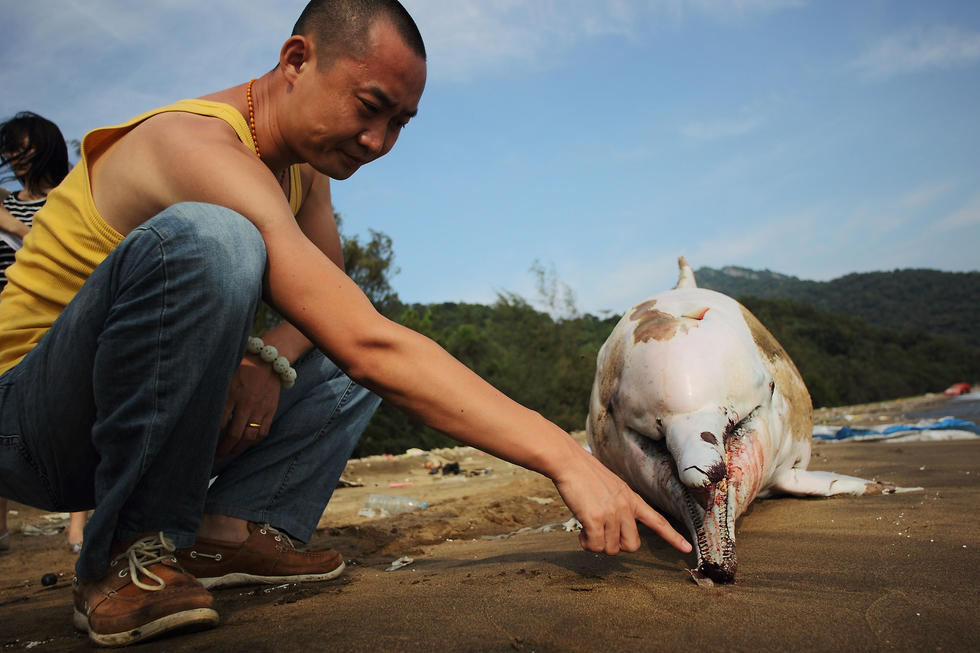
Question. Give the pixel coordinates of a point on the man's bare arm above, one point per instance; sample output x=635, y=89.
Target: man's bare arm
x=401, y=365
x=316, y=221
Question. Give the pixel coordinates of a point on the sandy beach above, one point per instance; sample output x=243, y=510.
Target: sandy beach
x=492, y=568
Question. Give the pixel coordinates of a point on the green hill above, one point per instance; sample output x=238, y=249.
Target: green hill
x=844, y=360
x=907, y=301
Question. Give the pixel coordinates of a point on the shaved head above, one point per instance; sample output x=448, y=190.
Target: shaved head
x=340, y=27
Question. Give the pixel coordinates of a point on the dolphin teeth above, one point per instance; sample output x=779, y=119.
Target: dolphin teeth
x=717, y=559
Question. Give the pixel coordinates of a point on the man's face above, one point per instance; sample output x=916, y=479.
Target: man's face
x=351, y=112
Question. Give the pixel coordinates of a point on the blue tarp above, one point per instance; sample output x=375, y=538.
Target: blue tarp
x=830, y=433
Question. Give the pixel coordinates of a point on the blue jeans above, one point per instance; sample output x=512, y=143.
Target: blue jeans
x=118, y=407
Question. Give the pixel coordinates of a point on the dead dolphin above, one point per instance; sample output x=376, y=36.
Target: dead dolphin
x=700, y=410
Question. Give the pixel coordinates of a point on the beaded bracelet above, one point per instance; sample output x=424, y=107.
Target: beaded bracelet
x=269, y=354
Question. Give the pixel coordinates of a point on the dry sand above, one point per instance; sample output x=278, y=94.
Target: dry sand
x=879, y=573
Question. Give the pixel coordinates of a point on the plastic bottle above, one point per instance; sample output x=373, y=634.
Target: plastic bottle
x=394, y=505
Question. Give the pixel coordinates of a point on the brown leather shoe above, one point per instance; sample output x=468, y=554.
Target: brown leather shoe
x=145, y=594
x=267, y=556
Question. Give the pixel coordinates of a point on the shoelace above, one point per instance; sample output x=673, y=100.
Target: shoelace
x=264, y=528
x=144, y=553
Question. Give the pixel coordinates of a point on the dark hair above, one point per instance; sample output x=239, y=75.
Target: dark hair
x=45, y=157
x=341, y=26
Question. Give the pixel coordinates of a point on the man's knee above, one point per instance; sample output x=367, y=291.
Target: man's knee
x=216, y=230
x=211, y=240
x=364, y=397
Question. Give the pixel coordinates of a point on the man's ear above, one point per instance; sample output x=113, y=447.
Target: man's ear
x=298, y=52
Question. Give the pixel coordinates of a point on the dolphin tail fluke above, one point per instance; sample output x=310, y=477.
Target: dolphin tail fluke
x=686, y=277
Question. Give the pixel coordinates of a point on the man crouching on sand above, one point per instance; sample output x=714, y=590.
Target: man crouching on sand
x=124, y=339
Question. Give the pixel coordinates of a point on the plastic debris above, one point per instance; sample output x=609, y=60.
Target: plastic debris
x=400, y=562
x=392, y=505
x=571, y=526
x=451, y=468
x=542, y=500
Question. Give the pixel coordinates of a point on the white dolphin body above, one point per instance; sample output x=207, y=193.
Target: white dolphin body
x=698, y=408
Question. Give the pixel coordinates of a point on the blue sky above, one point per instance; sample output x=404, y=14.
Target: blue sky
x=602, y=138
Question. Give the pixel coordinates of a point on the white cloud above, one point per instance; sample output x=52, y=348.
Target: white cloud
x=918, y=50
x=468, y=37
x=465, y=38
x=965, y=216
x=722, y=128
x=925, y=194
x=728, y=9
x=87, y=63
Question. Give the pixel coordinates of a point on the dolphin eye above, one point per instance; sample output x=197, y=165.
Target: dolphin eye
x=734, y=429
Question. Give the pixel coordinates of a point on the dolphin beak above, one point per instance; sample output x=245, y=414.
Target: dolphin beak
x=710, y=515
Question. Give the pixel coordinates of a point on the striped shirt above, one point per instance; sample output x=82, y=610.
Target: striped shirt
x=23, y=211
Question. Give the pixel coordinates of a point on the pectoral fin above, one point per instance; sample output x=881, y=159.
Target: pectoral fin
x=824, y=484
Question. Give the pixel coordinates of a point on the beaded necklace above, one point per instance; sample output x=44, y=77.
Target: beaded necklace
x=251, y=126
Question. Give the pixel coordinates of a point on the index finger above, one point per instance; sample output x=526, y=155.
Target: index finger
x=660, y=526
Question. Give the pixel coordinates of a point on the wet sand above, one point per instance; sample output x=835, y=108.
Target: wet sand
x=881, y=573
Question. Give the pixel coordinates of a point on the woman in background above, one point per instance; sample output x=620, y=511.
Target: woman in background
x=33, y=150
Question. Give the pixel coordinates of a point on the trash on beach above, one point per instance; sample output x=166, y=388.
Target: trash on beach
x=451, y=468
x=504, y=536
x=542, y=500
x=401, y=562
x=49, y=524
x=391, y=505
x=434, y=463
x=700, y=579
x=571, y=526
x=945, y=428
x=450, y=479
x=56, y=516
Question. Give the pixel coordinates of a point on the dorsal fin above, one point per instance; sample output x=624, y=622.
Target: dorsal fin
x=686, y=277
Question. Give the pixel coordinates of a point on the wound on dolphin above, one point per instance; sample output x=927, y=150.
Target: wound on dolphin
x=653, y=324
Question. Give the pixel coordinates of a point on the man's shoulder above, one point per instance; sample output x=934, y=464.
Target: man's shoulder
x=178, y=141
x=183, y=128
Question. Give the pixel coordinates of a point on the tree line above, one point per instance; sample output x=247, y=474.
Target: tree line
x=543, y=354
x=909, y=301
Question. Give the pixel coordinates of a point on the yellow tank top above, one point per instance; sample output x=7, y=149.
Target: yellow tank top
x=69, y=239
